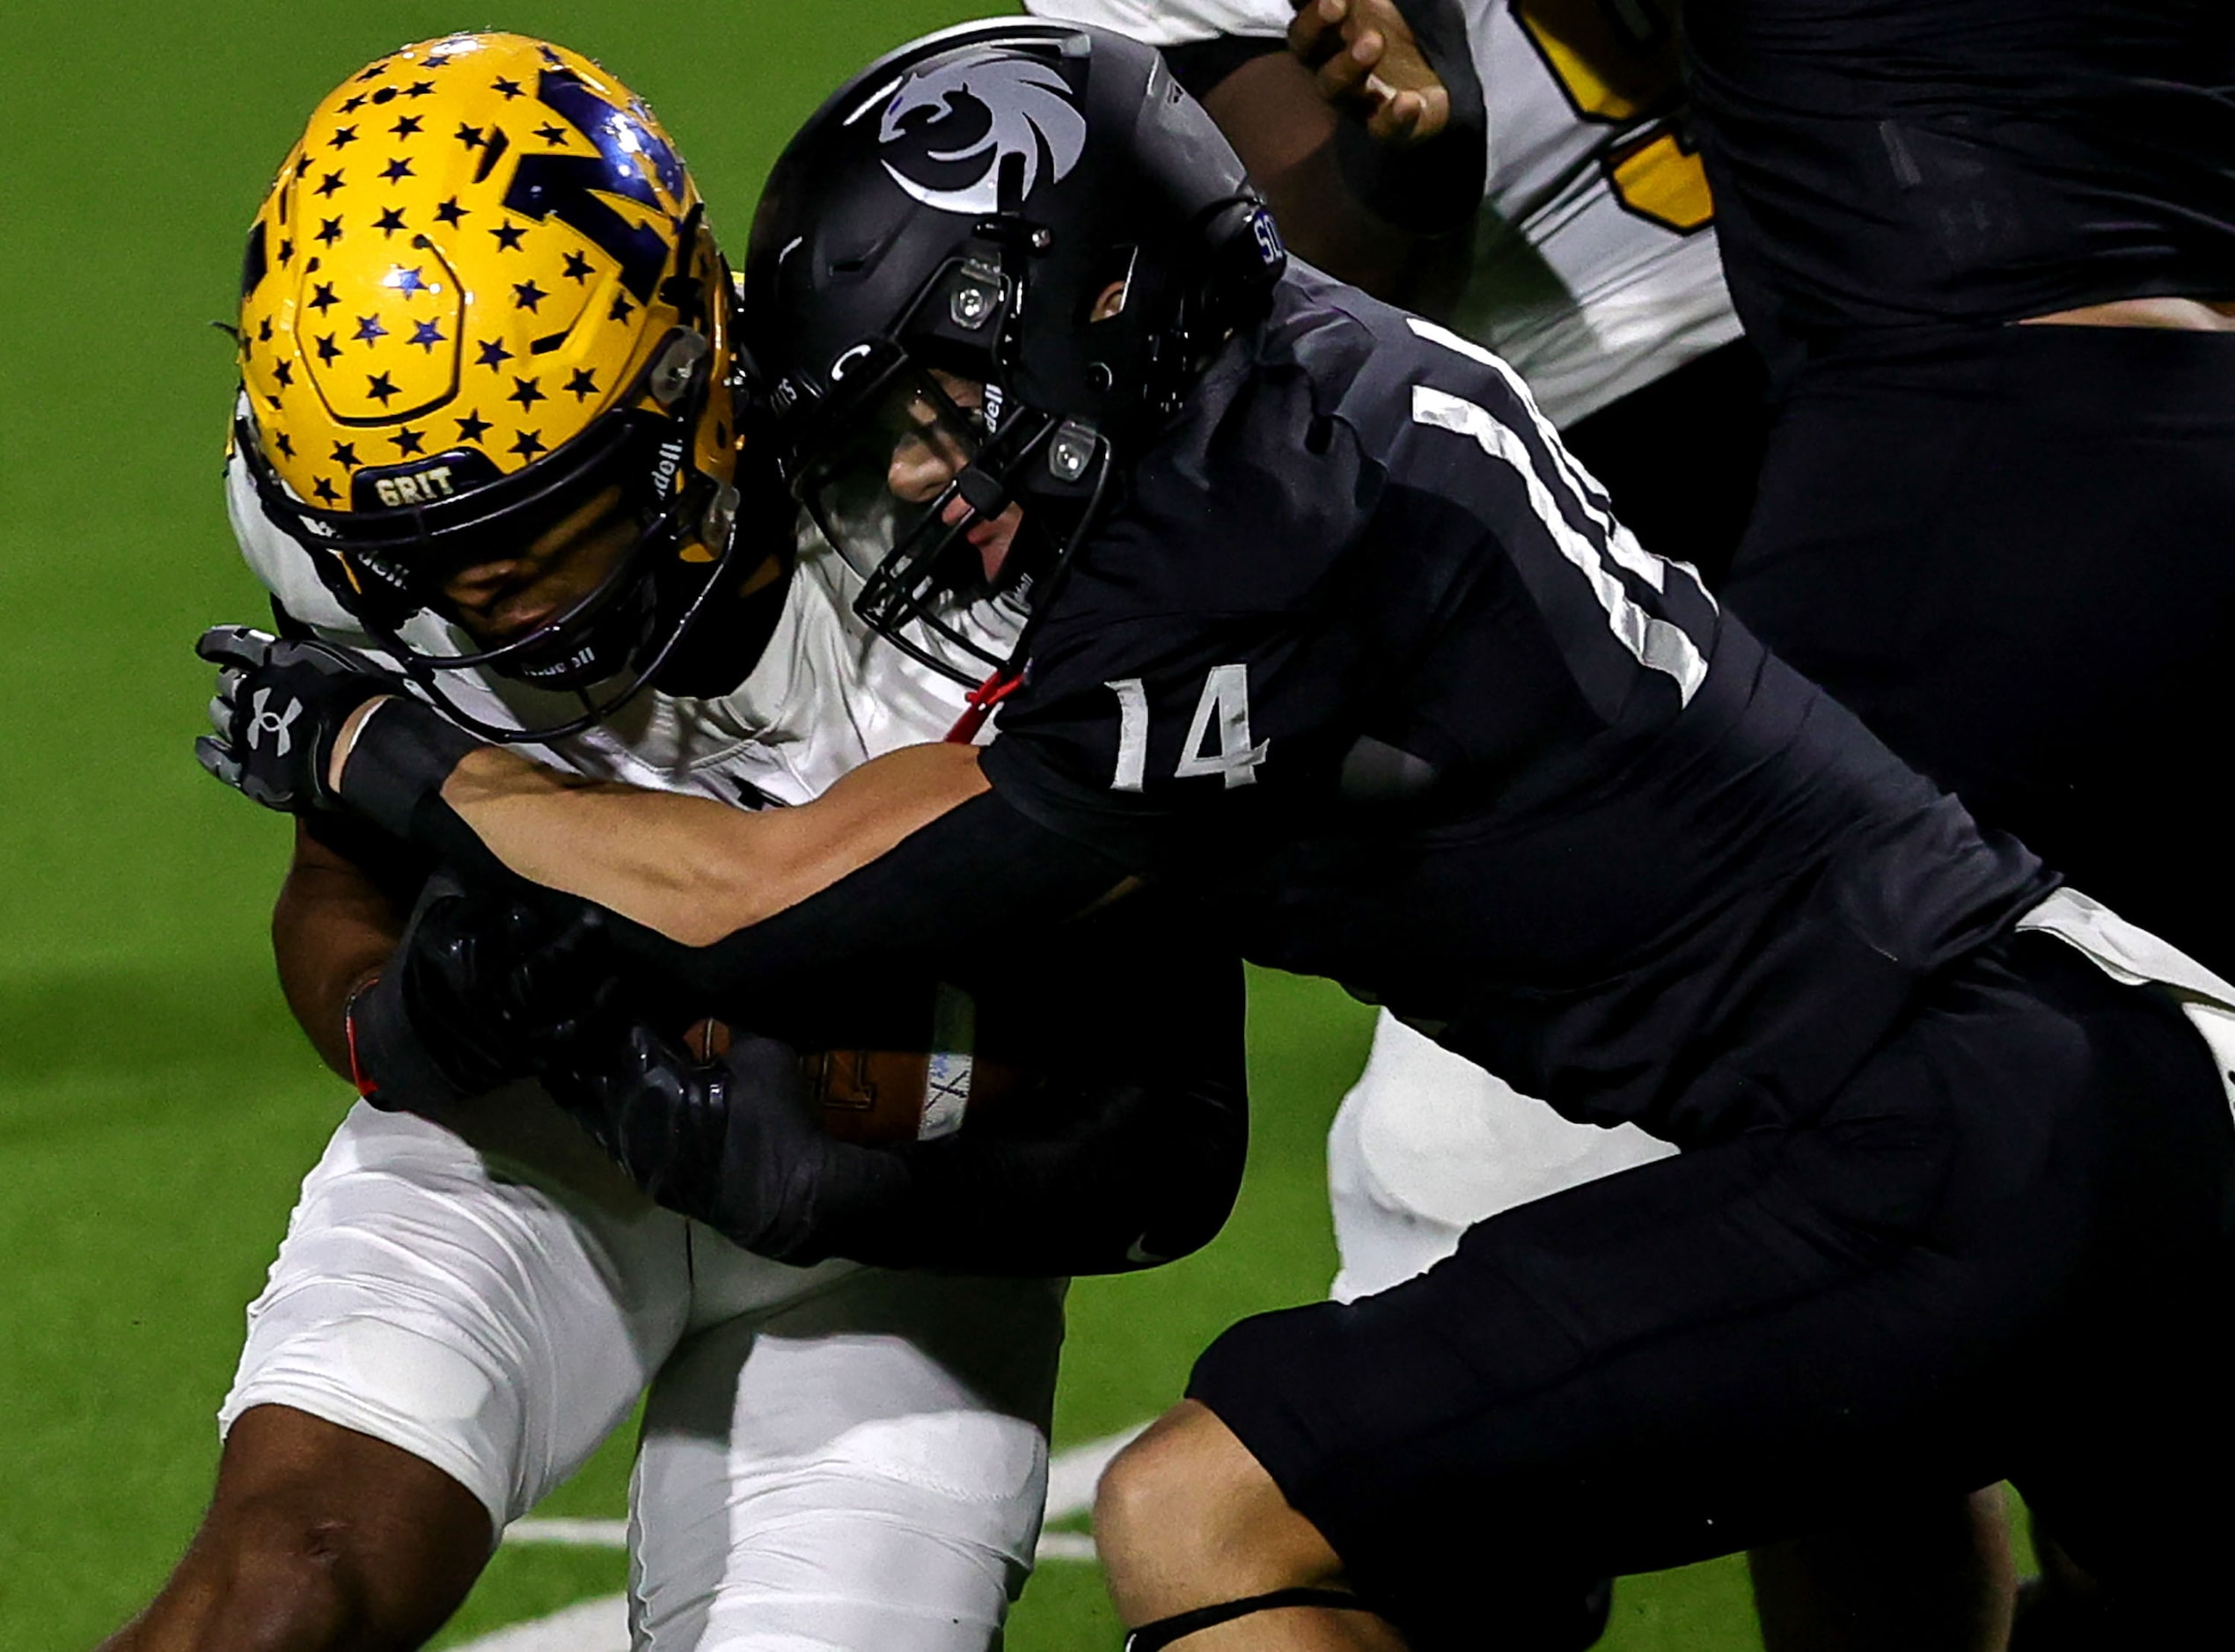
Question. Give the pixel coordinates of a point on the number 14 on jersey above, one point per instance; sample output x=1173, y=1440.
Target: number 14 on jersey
x=1223, y=712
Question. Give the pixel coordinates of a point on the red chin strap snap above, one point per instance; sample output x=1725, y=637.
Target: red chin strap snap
x=981, y=704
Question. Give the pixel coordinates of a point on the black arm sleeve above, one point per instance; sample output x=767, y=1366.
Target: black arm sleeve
x=982, y=881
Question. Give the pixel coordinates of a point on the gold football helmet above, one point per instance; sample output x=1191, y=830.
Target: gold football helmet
x=479, y=295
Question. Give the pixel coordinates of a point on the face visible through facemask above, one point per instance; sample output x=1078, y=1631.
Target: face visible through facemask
x=926, y=461
x=505, y=597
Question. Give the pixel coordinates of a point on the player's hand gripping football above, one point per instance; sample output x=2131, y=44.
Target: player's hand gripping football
x=481, y=990
x=279, y=709
x=1366, y=59
x=731, y=1141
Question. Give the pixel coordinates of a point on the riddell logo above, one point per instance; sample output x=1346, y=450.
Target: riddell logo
x=981, y=112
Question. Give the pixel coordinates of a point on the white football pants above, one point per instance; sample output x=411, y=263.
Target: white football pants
x=1426, y=1145
x=833, y=1458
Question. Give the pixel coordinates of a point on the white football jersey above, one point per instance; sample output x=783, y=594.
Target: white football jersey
x=826, y=694
x=1595, y=269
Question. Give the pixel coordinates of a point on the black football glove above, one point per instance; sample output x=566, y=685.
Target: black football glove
x=1123, y=1175
x=731, y=1142
x=480, y=991
x=279, y=707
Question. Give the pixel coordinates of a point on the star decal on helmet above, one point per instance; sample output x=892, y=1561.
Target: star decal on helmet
x=579, y=153
x=578, y=187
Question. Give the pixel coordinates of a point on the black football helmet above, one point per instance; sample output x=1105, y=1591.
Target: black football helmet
x=1032, y=207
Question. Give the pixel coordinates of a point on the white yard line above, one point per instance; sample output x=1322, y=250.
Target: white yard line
x=601, y=1625
x=1072, y=1475
x=587, y=1625
x=577, y=1534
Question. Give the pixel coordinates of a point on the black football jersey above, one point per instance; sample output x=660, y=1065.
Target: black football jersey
x=1364, y=665
x=1883, y=166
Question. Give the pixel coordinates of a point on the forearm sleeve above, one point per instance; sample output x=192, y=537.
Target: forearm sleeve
x=969, y=884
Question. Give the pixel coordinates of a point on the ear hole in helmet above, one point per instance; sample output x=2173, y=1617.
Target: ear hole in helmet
x=676, y=367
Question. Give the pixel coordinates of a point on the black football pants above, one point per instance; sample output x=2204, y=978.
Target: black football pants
x=2000, y=1252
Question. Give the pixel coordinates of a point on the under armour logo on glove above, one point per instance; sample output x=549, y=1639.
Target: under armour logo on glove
x=266, y=722
x=279, y=756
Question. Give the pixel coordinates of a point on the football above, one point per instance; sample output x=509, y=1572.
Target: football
x=915, y=1089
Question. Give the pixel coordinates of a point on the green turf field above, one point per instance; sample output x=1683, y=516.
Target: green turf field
x=156, y=1106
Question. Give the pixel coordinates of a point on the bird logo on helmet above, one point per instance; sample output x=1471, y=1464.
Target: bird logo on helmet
x=1024, y=109
x=981, y=275
x=481, y=295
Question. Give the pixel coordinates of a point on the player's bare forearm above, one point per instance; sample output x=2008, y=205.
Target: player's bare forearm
x=690, y=869
x=332, y=927
x=1273, y=113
